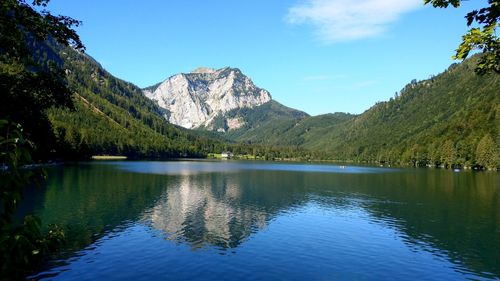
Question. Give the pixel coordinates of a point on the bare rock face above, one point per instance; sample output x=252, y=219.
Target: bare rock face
x=195, y=99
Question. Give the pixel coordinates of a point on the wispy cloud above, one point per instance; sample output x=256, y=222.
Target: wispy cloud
x=323, y=77
x=363, y=84
x=347, y=20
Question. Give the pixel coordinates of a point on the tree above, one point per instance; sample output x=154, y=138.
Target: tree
x=482, y=38
x=28, y=85
x=23, y=246
x=486, y=154
x=448, y=153
x=28, y=88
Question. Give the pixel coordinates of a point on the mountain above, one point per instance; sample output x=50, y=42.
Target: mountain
x=450, y=119
x=267, y=123
x=216, y=100
x=112, y=116
x=303, y=131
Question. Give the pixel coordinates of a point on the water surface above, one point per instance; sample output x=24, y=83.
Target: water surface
x=269, y=221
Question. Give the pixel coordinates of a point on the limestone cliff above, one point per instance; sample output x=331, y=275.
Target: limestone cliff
x=202, y=97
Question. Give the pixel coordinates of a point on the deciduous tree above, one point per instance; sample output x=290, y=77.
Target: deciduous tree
x=486, y=154
x=28, y=85
x=481, y=37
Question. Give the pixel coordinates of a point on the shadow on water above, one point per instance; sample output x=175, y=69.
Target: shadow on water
x=91, y=200
x=453, y=215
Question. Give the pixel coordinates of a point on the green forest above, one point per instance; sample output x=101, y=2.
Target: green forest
x=113, y=117
x=449, y=120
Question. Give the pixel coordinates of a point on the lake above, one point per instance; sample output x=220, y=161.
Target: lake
x=229, y=220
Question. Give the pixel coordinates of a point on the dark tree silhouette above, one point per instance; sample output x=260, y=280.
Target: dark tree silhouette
x=28, y=88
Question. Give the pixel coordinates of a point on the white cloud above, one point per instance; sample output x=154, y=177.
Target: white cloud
x=347, y=20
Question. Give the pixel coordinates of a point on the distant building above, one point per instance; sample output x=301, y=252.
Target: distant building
x=226, y=154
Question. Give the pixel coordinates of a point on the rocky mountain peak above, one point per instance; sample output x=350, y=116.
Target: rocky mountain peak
x=199, y=98
x=203, y=70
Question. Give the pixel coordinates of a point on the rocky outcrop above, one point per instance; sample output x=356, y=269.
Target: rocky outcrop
x=197, y=99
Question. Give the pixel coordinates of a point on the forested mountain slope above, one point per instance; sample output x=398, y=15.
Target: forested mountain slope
x=112, y=116
x=441, y=120
x=450, y=119
x=262, y=123
x=291, y=129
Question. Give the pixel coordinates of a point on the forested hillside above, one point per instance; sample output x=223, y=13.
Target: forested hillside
x=452, y=119
x=112, y=116
x=263, y=122
x=439, y=121
x=285, y=127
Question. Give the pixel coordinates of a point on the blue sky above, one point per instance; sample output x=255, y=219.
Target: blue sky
x=318, y=56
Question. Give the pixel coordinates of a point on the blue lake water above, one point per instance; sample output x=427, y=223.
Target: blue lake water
x=210, y=220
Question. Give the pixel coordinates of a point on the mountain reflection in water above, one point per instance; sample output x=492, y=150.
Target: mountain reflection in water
x=205, y=209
